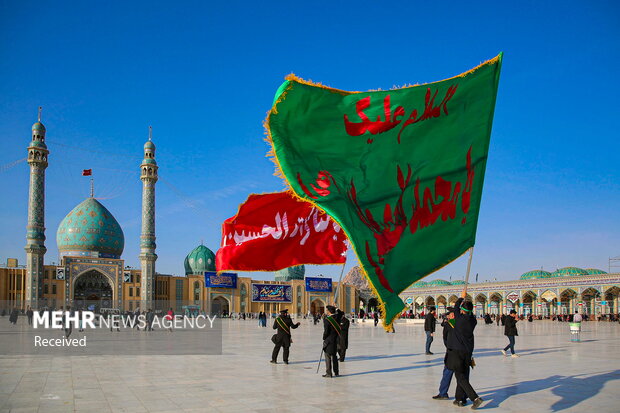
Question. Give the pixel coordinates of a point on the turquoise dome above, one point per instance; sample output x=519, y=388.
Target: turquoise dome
x=458, y=282
x=90, y=230
x=437, y=283
x=149, y=145
x=535, y=274
x=149, y=160
x=198, y=261
x=594, y=271
x=569, y=271
x=296, y=272
x=419, y=284
x=38, y=126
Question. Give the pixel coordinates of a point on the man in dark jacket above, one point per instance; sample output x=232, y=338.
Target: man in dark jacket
x=510, y=330
x=331, y=335
x=429, y=328
x=448, y=326
x=343, y=341
x=460, y=351
x=282, y=338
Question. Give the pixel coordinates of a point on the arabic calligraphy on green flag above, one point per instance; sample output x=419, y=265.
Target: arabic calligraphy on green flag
x=400, y=170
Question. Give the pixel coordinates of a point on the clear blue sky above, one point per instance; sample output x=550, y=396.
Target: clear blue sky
x=204, y=75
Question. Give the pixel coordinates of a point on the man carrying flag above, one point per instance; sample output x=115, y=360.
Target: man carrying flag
x=282, y=338
x=331, y=336
x=460, y=351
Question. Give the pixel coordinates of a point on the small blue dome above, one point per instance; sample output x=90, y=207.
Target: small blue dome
x=198, y=261
x=438, y=282
x=458, y=282
x=149, y=145
x=569, y=271
x=535, y=274
x=38, y=126
x=419, y=284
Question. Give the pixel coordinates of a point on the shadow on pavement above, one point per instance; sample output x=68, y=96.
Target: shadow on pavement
x=572, y=389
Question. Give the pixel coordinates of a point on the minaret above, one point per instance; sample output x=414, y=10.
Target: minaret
x=35, y=235
x=148, y=176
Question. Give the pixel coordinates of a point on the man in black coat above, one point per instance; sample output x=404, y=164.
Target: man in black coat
x=343, y=341
x=282, y=338
x=331, y=335
x=460, y=351
x=510, y=330
x=429, y=328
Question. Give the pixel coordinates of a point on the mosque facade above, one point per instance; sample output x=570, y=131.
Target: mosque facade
x=537, y=292
x=92, y=273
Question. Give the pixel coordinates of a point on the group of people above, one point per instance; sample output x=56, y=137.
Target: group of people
x=335, y=338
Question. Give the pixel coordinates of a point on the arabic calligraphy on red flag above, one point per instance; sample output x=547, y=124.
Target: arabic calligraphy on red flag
x=277, y=230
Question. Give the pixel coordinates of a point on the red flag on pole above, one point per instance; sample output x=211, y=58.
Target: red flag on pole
x=87, y=172
x=277, y=230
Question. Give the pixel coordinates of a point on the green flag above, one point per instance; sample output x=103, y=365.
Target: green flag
x=400, y=170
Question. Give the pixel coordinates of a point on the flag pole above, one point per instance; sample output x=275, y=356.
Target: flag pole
x=471, y=254
x=339, y=281
x=92, y=188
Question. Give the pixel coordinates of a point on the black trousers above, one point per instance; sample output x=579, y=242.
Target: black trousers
x=463, y=387
x=276, y=350
x=342, y=352
x=331, y=364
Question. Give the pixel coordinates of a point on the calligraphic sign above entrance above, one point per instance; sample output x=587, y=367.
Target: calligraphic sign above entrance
x=272, y=293
x=221, y=280
x=319, y=284
x=513, y=296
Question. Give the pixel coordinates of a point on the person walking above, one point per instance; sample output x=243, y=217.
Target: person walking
x=282, y=338
x=429, y=329
x=13, y=316
x=376, y=318
x=343, y=341
x=510, y=330
x=66, y=323
x=29, y=314
x=497, y=318
x=446, y=378
x=460, y=351
x=170, y=318
x=331, y=336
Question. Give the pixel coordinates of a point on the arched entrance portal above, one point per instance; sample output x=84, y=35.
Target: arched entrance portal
x=317, y=307
x=92, y=291
x=220, y=307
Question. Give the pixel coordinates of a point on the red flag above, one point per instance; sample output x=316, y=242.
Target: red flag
x=87, y=172
x=277, y=230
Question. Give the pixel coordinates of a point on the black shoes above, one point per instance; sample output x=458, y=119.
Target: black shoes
x=428, y=353
x=440, y=397
x=458, y=403
x=327, y=375
x=286, y=362
x=273, y=362
x=477, y=403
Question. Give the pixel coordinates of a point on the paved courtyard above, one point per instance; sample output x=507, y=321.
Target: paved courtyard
x=383, y=373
